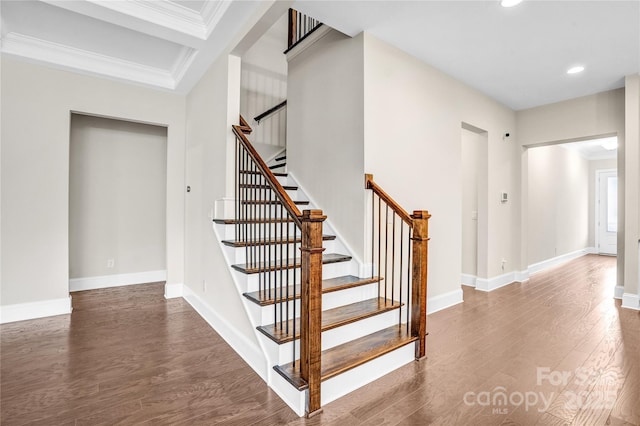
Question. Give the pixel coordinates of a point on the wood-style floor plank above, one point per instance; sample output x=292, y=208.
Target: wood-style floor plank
x=128, y=356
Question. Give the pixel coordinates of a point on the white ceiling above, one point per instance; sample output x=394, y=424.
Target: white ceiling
x=517, y=56
x=595, y=149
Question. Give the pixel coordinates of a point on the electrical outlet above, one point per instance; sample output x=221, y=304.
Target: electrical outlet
x=111, y=263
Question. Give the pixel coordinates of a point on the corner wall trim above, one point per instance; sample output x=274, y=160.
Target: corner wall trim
x=32, y=310
x=173, y=290
x=618, y=292
x=116, y=280
x=468, y=280
x=443, y=301
x=248, y=351
x=554, y=261
x=631, y=301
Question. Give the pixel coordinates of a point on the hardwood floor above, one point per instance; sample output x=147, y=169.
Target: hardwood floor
x=128, y=356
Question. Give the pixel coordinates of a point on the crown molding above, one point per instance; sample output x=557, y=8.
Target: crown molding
x=183, y=63
x=171, y=15
x=77, y=59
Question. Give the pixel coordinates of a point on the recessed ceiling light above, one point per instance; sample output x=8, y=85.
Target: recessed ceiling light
x=509, y=3
x=575, y=70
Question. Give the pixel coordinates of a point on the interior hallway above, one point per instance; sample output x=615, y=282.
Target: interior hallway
x=127, y=356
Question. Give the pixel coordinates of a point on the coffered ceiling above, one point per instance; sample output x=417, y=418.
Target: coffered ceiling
x=518, y=56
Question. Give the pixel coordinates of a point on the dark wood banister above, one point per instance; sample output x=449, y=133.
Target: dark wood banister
x=370, y=184
x=270, y=111
x=270, y=178
x=310, y=224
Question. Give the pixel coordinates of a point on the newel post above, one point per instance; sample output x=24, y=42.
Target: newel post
x=311, y=305
x=420, y=249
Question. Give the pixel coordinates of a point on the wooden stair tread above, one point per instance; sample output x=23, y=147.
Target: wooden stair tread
x=262, y=242
x=252, y=221
x=256, y=172
x=263, y=298
x=350, y=355
x=289, y=263
x=257, y=186
x=332, y=318
x=274, y=202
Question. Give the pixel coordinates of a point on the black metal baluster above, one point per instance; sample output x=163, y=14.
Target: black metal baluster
x=373, y=232
x=386, y=250
x=393, y=258
x=379, y=243
x=279, y=285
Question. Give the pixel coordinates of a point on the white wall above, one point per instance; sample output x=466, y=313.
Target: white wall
x=413, y=115
x=325, y=131
x=575, y=119
x=36, y=112
x=212, y=107
x=264, y=84
x=558, y=202
x=472, y=150
x=594, y=166
x=117, y=197
x=631, y=190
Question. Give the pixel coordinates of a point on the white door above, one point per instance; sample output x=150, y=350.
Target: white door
x=607, y=207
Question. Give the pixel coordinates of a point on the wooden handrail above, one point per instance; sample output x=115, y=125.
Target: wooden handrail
x=271, y=179
x=270, y=111
x=370, y=184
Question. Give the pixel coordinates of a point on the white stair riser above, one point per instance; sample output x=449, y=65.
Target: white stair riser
x=228, y=231
x=282, y=353
x=265, y=314
x=275, y=251
x=353, y=379
x=344, y=383
x=330, y=270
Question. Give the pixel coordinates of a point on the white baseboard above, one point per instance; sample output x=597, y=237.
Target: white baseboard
x=250, y=352
x=591, y=250
x=32, y=310
x=171, y=291
x=490, y=284
x=443, y=301
x=631, y=301
x=468, y=280
x=618, y=292
x=116, y=280
x=554, y=261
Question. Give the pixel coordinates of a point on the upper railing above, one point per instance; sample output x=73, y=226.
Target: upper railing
x=274, y=233
x=300, y=26
x=399, y=250
x=270, y=111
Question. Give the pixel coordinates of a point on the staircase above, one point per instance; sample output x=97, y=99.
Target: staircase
x=324, y=329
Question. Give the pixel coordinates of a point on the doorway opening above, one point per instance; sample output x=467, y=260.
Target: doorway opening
x=117, y=203
x=474, y=149
x=564, y=199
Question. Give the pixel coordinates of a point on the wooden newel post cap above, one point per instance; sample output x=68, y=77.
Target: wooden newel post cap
x=313, y=216
x=421, y=214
